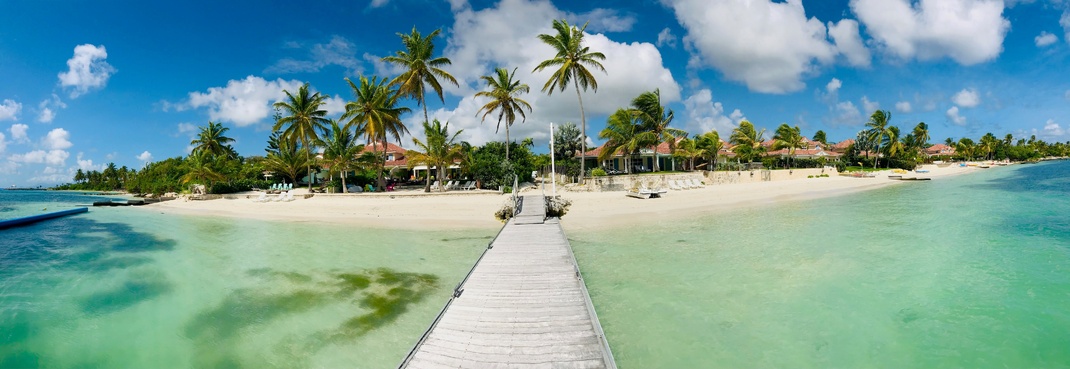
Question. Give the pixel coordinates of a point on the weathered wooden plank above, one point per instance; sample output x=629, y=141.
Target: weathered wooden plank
x=523, y=306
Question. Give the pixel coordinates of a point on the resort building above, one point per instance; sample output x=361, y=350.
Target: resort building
x=643, y=161
x=940, y=150
x=810, y=150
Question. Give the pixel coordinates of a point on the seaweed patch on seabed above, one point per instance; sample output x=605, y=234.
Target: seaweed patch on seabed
x=381, y=294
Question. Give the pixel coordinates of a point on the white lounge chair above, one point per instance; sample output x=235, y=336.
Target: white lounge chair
x=471, y=185
x=282, y=196
x=451, y=185
x=289, y=196
x=434, y=185
x=263, y=197
x=674, y=186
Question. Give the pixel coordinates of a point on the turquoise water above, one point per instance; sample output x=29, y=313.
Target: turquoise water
x=971, y=271
x=132, y=288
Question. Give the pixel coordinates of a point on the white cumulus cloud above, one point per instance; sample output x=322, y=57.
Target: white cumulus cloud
x=18, y=132
x=903, y=107
x=833, y=85
x=1053, y=130
x=87, y=69
x=243, y=102
x=967, y=98
x=846, y=113
x=849, y=42
x=87, y=164
x=766, y=45
x=9, y=109
x=57, y=139
x=704, y=114
x=954, y=117
x=145, y=156
x=603, y=20
x=486, y=38
x=48, y=107
x=337, y=51
x=1045, y=39
x=967, y=31
x=666, y=38
x=50, y=157
x=3, y=143
x=1065, y=22
x=870, y=106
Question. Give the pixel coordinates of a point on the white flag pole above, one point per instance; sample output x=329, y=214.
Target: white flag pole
x=553, y=170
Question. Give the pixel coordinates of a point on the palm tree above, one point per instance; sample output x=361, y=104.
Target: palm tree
x=375, y=114
x=747, y=141
x=504, y=93
x=988, y=144
x=200, y=170
x=304, y=120
x=439, y=149
x=892, y=144
x=653, y=118
x=623, y=134
x=571, y=61
x=921, y=135
x=79, y=176
x=421, y=67
x=288, y=161
x=211, y=139
x=711, y=145
x=821, y=137
x=878, y=129
x=340, y=150
x=950, y=142
x=789, y=138
x=687, y=149
x=966, y=147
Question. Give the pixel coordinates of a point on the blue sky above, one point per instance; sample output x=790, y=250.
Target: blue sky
x=85, y=83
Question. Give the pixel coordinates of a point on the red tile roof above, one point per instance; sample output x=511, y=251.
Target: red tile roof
x=940, y=149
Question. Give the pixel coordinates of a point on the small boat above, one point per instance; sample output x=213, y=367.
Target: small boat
x=895, y=177
x=911, y=178
x=645, y=193
x=921, y=171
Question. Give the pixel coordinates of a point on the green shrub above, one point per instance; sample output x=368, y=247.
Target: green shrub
x=598, y=172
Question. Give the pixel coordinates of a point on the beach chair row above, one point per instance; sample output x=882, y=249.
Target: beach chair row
x=457, y=185
x=281, y=187
x=282, y=197
x=685, y=184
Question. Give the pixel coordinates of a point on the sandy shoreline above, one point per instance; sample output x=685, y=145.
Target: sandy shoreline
x=589, y=210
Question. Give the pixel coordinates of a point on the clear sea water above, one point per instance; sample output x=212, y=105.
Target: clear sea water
x=133, y=288
x=971, y=271
x=964, y=272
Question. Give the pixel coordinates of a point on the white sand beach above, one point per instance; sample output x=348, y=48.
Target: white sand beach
x=468, y=210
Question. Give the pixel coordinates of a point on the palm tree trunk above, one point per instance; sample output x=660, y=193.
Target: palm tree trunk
x=308, y=159
x=427, y=185
x=583, y=134
x=441, y=177
x=344, y=188
x=500, y=115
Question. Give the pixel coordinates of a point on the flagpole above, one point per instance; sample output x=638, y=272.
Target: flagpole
x=553, y=170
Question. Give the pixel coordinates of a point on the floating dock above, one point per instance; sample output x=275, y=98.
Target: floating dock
x=40, y=217
x=523, y=305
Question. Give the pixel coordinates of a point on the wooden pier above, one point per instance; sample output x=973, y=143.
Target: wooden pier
x=523, y=305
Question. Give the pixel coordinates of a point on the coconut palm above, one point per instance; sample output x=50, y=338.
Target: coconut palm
x=921, y=135
x=340, y=150
x=878, y=130
x=988, y=144
x=892, y=145
x=623, y=134
x=789, y=138
x=304, y=118
x=211, y=140
x=421, y=67
x=747, y=141
x=439, y=149
x=687, y=149
x=654, y=118
x=711, y=145
x=375, y=115
x=571, y=63
x=504, y=94
x=79, y=176
x=288, y=161
x=821, y=137
x=200, y=170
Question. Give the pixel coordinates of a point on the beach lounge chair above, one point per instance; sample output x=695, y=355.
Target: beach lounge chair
x=263, y=197
x=282, y=196
x=450, y=185
x=696, y=183
x=289, y=196
x=674, y=186
x=434, y=185
x=471, y=185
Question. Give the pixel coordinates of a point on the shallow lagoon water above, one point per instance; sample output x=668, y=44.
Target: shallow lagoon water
x=970, y=271
x=130, y=288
